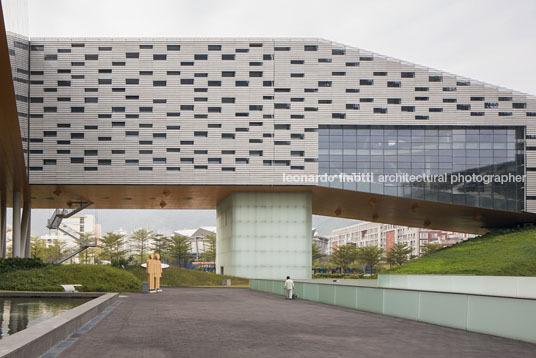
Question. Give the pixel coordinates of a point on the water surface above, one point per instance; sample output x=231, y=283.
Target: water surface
x=17, y=313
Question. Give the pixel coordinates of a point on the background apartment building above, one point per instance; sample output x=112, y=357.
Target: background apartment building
x=386, y=235
x=76, y=225
x=198, y=239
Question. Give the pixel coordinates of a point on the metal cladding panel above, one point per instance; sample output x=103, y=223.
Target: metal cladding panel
x=228, y=111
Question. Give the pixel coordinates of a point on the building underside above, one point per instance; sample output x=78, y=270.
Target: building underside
x=325, y=201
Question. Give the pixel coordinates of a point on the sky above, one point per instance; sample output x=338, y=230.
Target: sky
x=488, y=40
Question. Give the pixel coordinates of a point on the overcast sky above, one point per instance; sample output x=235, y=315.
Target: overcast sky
x=488, y=40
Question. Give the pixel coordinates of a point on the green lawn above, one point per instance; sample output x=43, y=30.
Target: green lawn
x=93, y=278
x=180, y=277
x=101, y=278
x=499, y=253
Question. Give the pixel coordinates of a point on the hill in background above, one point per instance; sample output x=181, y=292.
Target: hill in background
x=499, y=253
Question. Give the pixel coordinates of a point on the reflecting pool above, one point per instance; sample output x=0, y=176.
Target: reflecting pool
x=17, y=313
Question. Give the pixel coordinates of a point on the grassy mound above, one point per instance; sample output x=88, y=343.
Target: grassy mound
x=93, y=278
x=499, y=253
x=181, y=277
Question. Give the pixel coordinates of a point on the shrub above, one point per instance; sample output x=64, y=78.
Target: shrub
x=93, y=278
x=19, y=263
x=181, y=277
x=351, y=276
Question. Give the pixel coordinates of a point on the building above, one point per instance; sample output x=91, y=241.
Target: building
x=198, y=239
x=267, y=131
x=82, y=223
x=74, y=225
x=386, y=235
x=321, y=241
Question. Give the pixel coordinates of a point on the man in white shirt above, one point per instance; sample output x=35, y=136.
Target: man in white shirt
x=289, y=287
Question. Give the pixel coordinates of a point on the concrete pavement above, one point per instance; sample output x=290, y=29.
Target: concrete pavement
x=231, y=322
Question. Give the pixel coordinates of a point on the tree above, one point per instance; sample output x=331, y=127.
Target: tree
x=209, y=254
x=179, y=249
x=86, y=238
x=317, y=252
x=113, y=247
x=369, y=256
x=343, y=256
x=398, y=254
x=55, y=252
x=430, y=248
x=141, y=239
x=37, y=248
x=160, y=243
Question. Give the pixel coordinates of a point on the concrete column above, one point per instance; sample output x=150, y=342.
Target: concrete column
x=27, y=249
x=16, y=247
x=25, y=229
x=3, y=226
x=265, y=235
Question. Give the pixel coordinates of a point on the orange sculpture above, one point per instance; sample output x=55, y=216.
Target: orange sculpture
x=150, y=268
x=154, y=270
x=158, y=272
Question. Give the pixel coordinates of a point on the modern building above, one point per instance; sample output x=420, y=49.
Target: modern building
x=267, y=131
x=321, y=241
x=198, y=239
x=386, y=235
x=75, y=225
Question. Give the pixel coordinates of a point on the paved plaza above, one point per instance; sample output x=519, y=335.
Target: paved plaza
x=233, y=322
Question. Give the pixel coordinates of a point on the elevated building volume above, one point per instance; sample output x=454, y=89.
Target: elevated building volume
x=186, y=122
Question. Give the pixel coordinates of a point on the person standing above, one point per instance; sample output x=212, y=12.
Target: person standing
x=289, y=287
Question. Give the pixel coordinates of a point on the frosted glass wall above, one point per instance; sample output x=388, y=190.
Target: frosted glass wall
x=265, y=235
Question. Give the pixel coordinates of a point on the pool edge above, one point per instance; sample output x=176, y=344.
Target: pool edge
x=38, y=339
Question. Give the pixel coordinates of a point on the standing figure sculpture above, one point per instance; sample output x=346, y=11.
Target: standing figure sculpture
x=158, y=272
x=150, y=268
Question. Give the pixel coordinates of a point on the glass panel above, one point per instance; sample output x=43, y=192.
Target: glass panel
x=463, y=156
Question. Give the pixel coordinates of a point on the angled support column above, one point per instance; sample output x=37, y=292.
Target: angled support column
x=16, y=228
x=27, y=251
x=3, y=226
x=265, y=235
x=25, y=229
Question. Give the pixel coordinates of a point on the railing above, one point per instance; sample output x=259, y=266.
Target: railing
x=54, y=223
x=484, y=312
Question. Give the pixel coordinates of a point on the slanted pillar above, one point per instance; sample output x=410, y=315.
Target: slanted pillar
x=25, y=229
x=3, y=225
x=16, y=228
x=265, y=235
x=27, y=250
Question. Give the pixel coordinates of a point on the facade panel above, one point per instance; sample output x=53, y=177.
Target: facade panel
x=248, y=111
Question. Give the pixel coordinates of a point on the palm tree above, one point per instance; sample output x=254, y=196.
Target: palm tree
x=160, y=243
x=85, y=239
x=210, y=249
x=113, y=247
x=37, y=248
x=369, y=256
x=179, y=248
x=141, y=239
x=317, y=252
x=343, y=256
x=398, y=254
x=55, y=252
